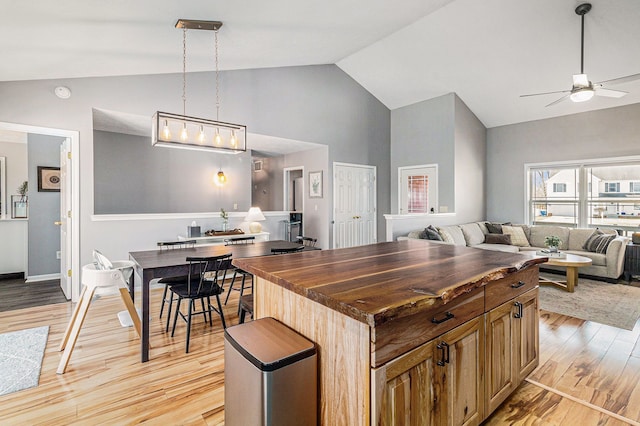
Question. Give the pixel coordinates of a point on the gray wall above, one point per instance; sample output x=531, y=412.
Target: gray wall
x=132, y=176
x=423, y=133
x=470, y=164
x=320, y=104
x=44, y=207
x=605, y=133
x=267, y=184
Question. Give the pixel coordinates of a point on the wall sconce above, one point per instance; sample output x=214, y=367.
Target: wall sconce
x=220, y=179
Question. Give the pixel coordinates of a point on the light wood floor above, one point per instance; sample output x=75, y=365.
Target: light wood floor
x=583, y=364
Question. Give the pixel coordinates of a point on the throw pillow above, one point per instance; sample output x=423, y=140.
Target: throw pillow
x=432, y=233
x=446, y=236
x=598, y=242
x=498, y=239
x=494, y=228
x=518, y=237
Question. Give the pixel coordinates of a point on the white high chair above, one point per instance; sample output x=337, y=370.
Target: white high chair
x=94, y=277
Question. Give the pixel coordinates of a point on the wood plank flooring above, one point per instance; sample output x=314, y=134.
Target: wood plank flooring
x=105, y=383
x=16, y=294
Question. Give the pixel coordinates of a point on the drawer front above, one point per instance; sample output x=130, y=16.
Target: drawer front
x=400, y=335
x=500, y=291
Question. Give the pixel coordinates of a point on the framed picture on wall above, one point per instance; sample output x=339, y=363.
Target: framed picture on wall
x=48, y=179
x=315, y=184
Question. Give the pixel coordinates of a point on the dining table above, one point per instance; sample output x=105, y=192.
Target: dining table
x=160, y=263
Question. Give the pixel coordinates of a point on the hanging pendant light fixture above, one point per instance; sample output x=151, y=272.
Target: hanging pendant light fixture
x=182, y=131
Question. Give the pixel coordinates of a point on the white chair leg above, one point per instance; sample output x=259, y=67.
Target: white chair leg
x=74, y=315
x=128, y=303
x=75, y=329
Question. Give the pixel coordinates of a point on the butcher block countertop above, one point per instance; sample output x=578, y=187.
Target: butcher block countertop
x=381, y=282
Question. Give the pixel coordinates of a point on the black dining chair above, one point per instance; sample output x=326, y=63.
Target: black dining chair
x=237, y=271
x=205, y=280
x=307, y=241
x=285, y=250
x=167, y=281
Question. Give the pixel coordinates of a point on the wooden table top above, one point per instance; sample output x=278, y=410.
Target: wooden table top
x=176, y=257
x=377, y=282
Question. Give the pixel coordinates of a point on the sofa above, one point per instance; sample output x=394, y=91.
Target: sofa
x=607, y=258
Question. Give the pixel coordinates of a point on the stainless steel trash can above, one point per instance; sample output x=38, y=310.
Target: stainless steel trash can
x=270, y=375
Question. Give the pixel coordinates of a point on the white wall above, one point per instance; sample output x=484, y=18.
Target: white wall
x=13, y=232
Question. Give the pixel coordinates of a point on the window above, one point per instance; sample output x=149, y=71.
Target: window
x=418, y=189
x=559, y=187
x=612, y=187
x=418, y=193
x=586, y=195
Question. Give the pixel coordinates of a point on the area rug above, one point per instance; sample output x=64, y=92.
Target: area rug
x=617, y=305
x=21, y=354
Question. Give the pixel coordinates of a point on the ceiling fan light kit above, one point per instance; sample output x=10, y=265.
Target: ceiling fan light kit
x=583, y=89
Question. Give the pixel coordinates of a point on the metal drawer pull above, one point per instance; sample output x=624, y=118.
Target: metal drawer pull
x=518, y=285
x=519, y=313
x=445, y=349
x=447, y=317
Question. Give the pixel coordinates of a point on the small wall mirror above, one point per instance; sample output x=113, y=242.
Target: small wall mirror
x=3, y=187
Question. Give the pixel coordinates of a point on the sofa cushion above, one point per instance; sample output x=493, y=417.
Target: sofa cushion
x=497, y=247
x=540, y=232
x=597, y=259
x=430, y=233
x=483, y=227
x=518, y=237
x=473, y=235
x=598, y=242
x=498, y=239
x=452, y=234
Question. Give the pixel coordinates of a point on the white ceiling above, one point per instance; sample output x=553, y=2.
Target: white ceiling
x=488, y=52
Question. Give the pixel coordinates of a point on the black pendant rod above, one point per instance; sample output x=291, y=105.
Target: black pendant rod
x=582, y=10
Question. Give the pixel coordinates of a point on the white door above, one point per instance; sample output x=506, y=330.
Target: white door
x=418, y=189
x=354, y=200
x=65, y=217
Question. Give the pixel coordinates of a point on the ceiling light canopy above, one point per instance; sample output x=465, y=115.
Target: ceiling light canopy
x=186, y=132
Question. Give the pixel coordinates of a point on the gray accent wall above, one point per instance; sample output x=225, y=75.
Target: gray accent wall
x=267, y=185
x=44, y=207
x=320, y=104
x=423, y=133
x=607, y=133
x=132, y=176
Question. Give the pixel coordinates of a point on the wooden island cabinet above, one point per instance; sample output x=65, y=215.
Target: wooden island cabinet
x=408, y=332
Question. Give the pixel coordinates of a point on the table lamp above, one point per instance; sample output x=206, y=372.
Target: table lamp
x=253, y=217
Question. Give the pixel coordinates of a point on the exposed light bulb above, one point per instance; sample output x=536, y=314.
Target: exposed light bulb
x=184, y=135
x=218, y=139
x=166, y=133
x=233, y=139
x=220, y=179
x=201, y=135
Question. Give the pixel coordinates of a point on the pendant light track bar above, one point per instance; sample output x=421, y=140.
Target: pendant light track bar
x=192, y=24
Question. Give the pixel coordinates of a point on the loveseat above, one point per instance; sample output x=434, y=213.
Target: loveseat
x=604, y=247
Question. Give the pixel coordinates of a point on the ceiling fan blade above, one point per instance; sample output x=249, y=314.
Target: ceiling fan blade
x=600, y=91
x=564, y=98
x=620, y=80
x=545, y=93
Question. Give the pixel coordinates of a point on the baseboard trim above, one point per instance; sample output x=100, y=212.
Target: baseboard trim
x=46, y=277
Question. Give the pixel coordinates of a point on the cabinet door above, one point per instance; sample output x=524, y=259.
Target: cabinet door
x=527, y=354
x=500, y=381
x=459, y=391
x=512, y=346
x=402, y=390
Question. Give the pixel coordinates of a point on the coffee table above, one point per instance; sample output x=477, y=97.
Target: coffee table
x=572, y=262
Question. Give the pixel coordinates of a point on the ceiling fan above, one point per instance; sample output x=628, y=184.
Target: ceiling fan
x=583, y=89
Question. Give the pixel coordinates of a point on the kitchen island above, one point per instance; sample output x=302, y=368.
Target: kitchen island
x=408, y=332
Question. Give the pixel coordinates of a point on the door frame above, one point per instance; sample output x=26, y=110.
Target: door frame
x=74, y=182
x=286, y=189
x=337, y=164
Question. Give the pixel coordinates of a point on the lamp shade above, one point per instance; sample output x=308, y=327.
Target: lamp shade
x=253, y=217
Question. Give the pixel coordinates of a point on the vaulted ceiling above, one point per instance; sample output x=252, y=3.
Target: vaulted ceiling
x=488, y=52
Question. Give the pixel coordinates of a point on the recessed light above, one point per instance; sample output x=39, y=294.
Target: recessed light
x=63, y=92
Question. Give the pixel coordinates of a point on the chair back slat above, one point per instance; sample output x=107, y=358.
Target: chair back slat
x=168, y=245
x=240, y=240
x=285, y=250
x=207, y=272
x=307, y=241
